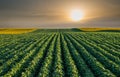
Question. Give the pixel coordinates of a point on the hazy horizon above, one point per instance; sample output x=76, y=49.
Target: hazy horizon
x=55, y=13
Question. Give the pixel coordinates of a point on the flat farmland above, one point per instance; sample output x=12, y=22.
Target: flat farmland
x=15, y=31
x=60, y=53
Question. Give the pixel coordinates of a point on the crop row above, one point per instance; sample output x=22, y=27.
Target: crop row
x=60, y=54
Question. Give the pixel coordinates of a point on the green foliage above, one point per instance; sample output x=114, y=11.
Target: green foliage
x=60, y=53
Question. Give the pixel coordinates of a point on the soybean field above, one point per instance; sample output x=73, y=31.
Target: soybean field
x=60, y=53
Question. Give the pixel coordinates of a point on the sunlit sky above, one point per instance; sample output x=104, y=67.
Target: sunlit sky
x=56, y=13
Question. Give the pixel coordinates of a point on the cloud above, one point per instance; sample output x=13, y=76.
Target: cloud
x=14, y=13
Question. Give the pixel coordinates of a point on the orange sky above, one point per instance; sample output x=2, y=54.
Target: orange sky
x=55, y=13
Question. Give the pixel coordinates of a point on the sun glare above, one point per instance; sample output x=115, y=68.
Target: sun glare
x=76, y=15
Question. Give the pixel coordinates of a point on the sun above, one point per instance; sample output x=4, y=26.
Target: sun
x=76, y=15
